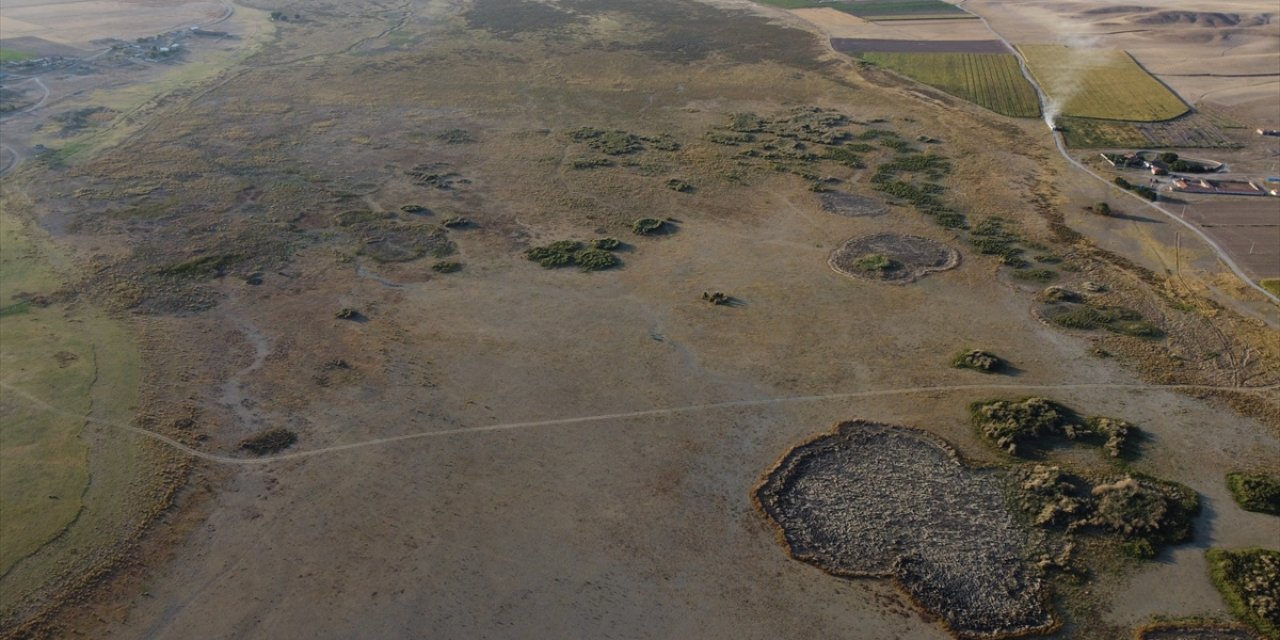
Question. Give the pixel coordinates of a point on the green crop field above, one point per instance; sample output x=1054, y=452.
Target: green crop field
x=991, y=80
x=12, y=55
x=1100, y=83
x=882, y=9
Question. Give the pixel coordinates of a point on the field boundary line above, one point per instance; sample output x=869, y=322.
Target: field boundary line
x=643, y=413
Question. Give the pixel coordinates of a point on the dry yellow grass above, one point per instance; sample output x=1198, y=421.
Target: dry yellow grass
x=1100, y=83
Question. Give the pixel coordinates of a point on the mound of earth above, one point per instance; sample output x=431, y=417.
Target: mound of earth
x=852, y=206
x=877, y=500
x=893, y=258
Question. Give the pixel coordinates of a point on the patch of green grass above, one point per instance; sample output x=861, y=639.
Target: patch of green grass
x=18, y=308
x=1249, y=580
x=876, y=262
x=1258, y=492
x=13, y=55
x=1272, y=285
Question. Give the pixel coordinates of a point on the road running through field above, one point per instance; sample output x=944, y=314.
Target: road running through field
x=1060, y=142
x=607, y=417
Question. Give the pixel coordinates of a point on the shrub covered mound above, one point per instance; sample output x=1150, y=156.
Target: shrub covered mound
x=979, y=360
x=1022, y=426
x=563, y=253
x=1114, y=319
x=876, y=500
x=1256, y=491
x=1145, y=512
x=269, y=441
x=1250, y=583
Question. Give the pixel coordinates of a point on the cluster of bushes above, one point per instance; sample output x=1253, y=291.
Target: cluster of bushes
x=269, y=441
x=1121, y=320
x=1258, y=492
x=446, y=266
x=1249, y=580
x=590, y=163
x=616, y=142
x=564, y=253
x=204, y=266
x=979, y=360
x=1038, y=274
x=1142, y=190
x=650, y=226
x=1020, y=427
x=993, y=237
x=1146, y=513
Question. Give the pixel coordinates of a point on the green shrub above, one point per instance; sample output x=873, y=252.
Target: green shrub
x=978, y=360
x=594, y=259
x=446, y=267
x=269, y=441
x=1258, y=492
x=608, y=244
x=876, y=262
x=648, y=226
x=1249, y=580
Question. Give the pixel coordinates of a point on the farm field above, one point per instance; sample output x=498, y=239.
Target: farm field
x=882, y=9
x=1100, y=83
x=991, y=80
x=837, y=24
x=1191, y=131
x=1246, y=226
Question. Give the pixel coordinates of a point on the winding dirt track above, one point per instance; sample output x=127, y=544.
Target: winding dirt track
x=511, y=426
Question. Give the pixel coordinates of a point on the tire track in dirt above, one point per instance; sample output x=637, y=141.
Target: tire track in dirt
x=606, y=417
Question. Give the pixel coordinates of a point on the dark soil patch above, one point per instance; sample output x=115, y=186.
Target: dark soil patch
x=877, y=500
x=851, y=205
x=910, y=257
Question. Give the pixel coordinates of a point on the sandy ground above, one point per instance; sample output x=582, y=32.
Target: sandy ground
x=838, y=24
x=79, y=22
x=625, y=527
